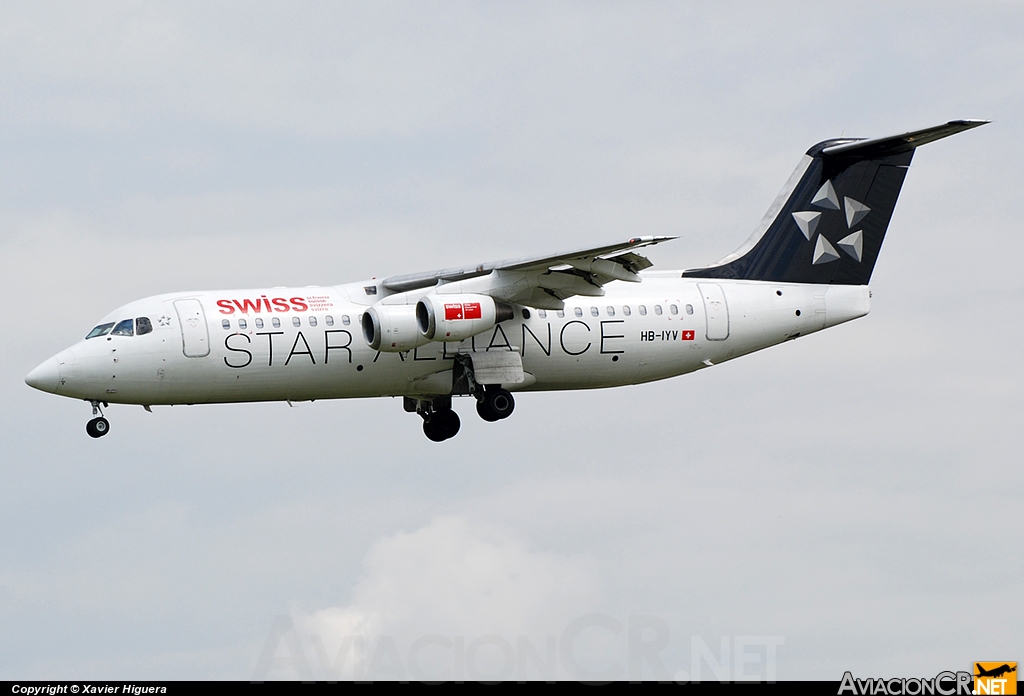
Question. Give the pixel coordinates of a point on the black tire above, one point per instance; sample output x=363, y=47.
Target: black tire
x=500, y=402
x=484, y=411
x=97, y=427
x=446, y=422
x=432, y=434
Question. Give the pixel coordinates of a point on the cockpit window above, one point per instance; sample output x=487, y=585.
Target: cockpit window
x=123, y=328
x=143, y=326
x=101, y=330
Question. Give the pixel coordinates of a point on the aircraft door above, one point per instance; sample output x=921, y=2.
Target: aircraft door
x=195, y=336
x=716, y=311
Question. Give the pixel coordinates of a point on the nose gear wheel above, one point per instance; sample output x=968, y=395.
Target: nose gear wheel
x=98, y=426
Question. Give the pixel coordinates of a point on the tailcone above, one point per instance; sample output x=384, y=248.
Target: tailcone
x=845, y=303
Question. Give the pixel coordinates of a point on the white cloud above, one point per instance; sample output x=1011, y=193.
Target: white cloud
x=452, y=583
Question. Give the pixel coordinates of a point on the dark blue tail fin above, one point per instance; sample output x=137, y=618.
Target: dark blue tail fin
x=828, y=224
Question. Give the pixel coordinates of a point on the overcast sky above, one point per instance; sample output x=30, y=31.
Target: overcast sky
x=853, y=497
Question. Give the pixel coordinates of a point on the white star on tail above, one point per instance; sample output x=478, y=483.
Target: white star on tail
x=824, y=252
x=855, y=211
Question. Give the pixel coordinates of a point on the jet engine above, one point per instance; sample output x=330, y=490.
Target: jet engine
x=457, y=317
x=392, y=328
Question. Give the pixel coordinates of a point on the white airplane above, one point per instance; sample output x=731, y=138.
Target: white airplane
x=581, y=319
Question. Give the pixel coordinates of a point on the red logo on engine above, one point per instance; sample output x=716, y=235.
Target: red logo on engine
x=462, y=310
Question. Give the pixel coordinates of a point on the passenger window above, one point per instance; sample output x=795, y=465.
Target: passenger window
x=643, y=310
x=345, y=320
x=242, y=324
x=526, y=314
x=689, y=309
x=657, y=309
x=259, y=323
x=312, y=321
x=329, y=320
x=611, y=311
x=226, y=324
x=542, y=313
x=560, y=313
x=124, y=328
x=143, y=326
x=296, y=322
x=100, y=330
x=579, y=311
x=673, y=309
x=595, y=312
x=276, y=322
x=625, y=310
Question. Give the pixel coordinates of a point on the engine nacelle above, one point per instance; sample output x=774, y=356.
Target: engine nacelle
x=392, y=328
x=457, y=317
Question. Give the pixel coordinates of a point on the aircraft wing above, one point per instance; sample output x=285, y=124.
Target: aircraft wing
x=544, y=281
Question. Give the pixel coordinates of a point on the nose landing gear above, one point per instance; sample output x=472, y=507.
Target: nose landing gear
x=98, y=426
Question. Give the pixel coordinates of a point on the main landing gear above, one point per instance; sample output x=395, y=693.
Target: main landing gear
x=98, y=426
x=441, y=423
x=494, y=403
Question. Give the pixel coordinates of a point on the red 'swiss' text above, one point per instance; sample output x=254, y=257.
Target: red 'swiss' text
x=263, y=304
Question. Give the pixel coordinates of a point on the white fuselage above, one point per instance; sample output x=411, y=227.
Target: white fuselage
x=306, y=343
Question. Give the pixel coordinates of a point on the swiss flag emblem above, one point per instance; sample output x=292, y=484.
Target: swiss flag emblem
x=453, y=311
x=688, y=335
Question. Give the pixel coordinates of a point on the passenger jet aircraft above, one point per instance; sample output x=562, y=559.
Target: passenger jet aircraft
x=581, y=319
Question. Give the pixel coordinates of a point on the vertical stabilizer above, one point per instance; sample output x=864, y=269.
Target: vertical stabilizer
x=828, y=224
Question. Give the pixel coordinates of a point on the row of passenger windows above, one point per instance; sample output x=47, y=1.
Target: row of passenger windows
x=275, y=322
x=610, y=311
x=142, y=325
x=626, y=310
x=126, y=327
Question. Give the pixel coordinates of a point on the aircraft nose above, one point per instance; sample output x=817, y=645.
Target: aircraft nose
x=46, y=377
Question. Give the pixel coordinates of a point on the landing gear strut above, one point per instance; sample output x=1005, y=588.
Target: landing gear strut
x=440, y=422
x=98, y=426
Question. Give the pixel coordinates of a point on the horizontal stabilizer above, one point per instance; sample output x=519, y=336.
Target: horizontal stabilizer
x=895, y=144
